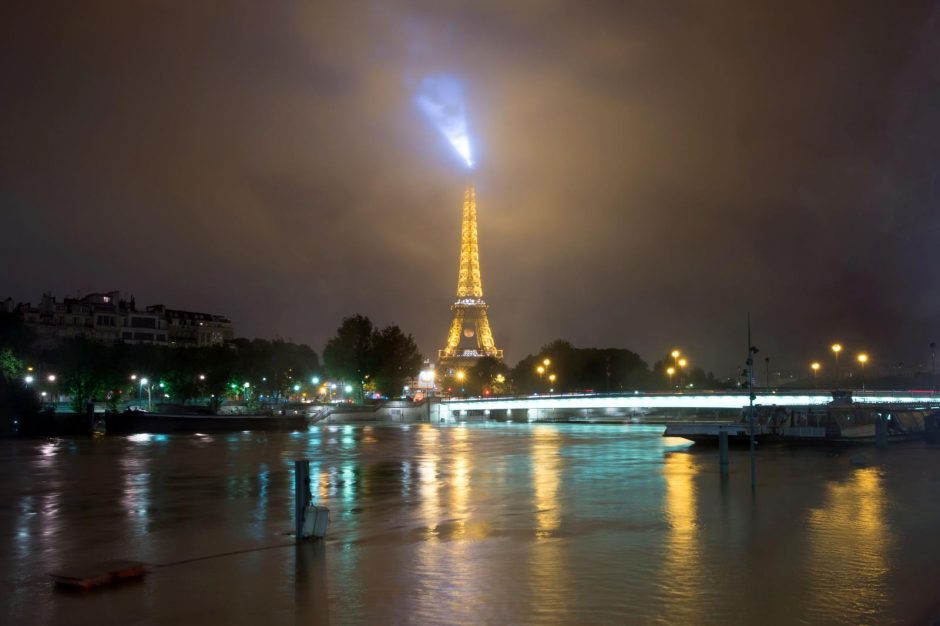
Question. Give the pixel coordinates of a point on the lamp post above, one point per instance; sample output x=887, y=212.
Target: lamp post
x=836, y=349
x=933, y=365
x=144, y=383
x=669, y=372
x=551, y=380
x=862, y=360
x=815, y=367
x=682, y=363
x=460, y=375
x=54, y=389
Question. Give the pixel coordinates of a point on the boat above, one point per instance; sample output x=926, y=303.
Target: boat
x=841, y=421
x=134, y=422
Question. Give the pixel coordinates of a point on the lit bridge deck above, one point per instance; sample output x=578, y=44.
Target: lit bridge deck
x=717, y=400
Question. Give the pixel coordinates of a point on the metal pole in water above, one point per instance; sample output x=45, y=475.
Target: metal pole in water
x=881, y=433
x=723, y=452
x=751, y=351
x=301, y=495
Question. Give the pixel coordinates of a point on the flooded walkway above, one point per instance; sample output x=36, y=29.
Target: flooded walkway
x=492, y=523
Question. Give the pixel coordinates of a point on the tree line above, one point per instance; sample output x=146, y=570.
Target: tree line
x=373, y=361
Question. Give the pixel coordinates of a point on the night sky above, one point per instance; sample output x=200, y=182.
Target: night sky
x=648, y=171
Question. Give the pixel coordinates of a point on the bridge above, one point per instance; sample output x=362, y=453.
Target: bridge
x=723, y=403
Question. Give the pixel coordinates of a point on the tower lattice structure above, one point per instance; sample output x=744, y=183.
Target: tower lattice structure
x=469, y=337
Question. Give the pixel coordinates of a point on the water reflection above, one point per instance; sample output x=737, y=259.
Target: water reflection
x=848, y=542
x=548, y=574
x=681, y=573
x=428, y=459
x=135, y=495
x=459, y=483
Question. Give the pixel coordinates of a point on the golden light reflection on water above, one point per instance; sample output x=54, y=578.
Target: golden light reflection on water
x=549, y=571
x=460, y=482
x=546, y=477
x=428, y=460
x=681, y=574
x=848, y=542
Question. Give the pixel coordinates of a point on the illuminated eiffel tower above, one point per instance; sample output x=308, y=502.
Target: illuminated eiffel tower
x=470, y=337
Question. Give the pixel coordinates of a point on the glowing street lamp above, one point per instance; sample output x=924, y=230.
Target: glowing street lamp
x=315, y=380
x=669, y=372
x=144, y=383
x=51, y=378
x=551, y=380
x=836, y=349
x=547, y=362
x=540, y=369
x=815, y=367
x=862, y=360
x=28, y=379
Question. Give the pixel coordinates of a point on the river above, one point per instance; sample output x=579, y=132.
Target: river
x=488, y=523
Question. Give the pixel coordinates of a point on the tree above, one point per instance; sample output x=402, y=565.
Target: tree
x=349, y=355
x=488, y=376
x=396, y=359
x=581, y=369
x=361, y=354
x=10, y=366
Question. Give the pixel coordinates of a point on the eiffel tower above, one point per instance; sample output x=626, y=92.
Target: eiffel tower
x=470, y=337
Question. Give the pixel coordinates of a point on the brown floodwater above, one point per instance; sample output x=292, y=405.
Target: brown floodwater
x=489, y=523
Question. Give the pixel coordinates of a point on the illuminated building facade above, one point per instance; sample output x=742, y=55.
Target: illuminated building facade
x=108, y=318
x=469, y=337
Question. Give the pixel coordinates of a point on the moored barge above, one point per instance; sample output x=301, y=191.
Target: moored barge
x=842, y=421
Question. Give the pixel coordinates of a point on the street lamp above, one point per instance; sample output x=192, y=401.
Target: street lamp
x=144, y=383
x=836, y=349
x=55, y=390
x=551, y=380
x=682, y=363
x=547, y=362
x=815, y=367
x=315, y=380
x=862, y=360
x=28, y=379
x=669, y=372
x=933, y=365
